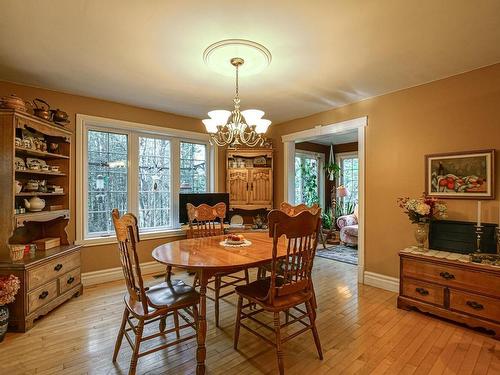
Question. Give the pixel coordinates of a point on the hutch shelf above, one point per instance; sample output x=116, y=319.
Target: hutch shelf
x=50, y=277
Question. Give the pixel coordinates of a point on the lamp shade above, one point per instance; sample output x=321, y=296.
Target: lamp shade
x=210, y=125
x=252, y=116
x=262, y=125
x=220, y=116
x=342, y=191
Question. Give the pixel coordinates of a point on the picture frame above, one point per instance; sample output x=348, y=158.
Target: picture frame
x=461, y=175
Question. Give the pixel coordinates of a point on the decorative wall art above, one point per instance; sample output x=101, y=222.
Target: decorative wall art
x=464, y=175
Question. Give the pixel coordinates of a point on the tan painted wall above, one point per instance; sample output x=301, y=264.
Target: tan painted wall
x=454, y=114
x=106, y=256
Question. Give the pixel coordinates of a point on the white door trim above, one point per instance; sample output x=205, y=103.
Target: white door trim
x=289, y=141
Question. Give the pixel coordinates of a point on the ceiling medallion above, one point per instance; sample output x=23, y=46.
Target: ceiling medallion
x=232, y=128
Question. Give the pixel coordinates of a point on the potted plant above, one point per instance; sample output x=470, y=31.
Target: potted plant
x=9, y=286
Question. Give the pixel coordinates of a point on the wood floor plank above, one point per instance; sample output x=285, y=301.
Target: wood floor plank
x=361, y=331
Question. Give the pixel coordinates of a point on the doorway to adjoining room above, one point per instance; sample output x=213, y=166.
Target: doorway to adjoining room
x=327, y=173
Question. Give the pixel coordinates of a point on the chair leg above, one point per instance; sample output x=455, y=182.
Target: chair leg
x=237, y=325
x=163, y=324
x=314, y=302
x=176, y=323
x=247, y=278
x=279, y=352
x=312, y=319
x=195, y=280
x=195, y=318
x=120, y=334
x=216, y=299
x=135, y=353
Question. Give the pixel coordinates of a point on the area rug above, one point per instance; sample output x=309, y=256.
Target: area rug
x=339, y=253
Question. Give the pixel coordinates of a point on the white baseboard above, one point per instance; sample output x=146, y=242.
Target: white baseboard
x=113, y=274
x=381, y=281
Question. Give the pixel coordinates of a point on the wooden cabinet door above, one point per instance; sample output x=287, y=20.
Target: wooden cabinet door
x=261, y=187
x=237, y=186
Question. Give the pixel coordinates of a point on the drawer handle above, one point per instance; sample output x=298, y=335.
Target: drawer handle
x=43, y=295
x=475, y=305
x=70, y=280
x=58, y=267
x=447, y=275
x=422, y=291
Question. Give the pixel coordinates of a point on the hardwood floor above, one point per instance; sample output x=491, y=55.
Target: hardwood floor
x=361, y=331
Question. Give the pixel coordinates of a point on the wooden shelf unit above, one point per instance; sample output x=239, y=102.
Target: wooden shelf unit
x=57, y=270
x=250, y=187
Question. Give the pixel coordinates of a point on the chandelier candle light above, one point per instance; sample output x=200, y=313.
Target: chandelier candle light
x=231, y=128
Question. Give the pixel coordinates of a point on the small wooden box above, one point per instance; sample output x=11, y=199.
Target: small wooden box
x=47, y=243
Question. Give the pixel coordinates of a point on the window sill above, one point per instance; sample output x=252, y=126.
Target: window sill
x=144, y=236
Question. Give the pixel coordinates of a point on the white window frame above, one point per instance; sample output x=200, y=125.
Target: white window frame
x=133, y=131
x=339, y=159
x=321, y=175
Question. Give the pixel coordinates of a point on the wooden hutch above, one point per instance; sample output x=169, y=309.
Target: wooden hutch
x=50, y=277
x=249, y=178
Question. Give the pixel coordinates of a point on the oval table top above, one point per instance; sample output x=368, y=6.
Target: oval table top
x=203, y=253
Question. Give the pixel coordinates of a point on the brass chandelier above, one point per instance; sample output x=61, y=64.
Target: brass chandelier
x=231, y=128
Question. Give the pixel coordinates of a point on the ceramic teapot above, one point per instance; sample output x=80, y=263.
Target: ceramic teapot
x=34, y=204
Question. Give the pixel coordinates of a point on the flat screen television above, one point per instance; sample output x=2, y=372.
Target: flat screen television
x=197, y=199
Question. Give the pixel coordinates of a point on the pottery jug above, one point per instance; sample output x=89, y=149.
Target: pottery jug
x=34, y=204
x=19, y=187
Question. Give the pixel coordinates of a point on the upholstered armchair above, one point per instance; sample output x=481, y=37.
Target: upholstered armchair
x=348, y=225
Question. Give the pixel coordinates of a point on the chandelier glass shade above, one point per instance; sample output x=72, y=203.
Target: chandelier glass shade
x=231, y=128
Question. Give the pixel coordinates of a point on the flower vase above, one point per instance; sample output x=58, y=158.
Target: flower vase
x=421, y=235
x=4, y=321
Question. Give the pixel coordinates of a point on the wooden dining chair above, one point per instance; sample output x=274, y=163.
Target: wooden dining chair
x=294, y=210
x=290, y=210
x=146, y=305
x=206, y=221
x=289, y=285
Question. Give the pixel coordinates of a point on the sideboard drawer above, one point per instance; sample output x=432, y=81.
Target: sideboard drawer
x=39, y=297
x=452, y=276
x=423, y=291
x=472, y=304
x=69, y=280
x=53, y=269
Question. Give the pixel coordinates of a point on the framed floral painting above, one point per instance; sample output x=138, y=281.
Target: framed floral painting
x=464, y=175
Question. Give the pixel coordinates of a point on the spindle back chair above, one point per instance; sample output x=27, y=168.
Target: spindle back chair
x=290, y=283
x=145, y=305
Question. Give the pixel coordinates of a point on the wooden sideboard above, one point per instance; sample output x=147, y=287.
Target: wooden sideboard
x=464, y=292
x=47, y=280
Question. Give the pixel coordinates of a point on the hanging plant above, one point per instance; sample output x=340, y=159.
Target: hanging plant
x=333, y=171
x=331, y=168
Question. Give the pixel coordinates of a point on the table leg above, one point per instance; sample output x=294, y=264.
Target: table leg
x=201, y=352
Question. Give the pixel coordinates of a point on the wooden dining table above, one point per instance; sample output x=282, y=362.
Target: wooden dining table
x=208, y=257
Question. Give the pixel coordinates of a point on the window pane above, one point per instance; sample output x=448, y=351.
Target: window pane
x=350, y=179
x=193, y=168
x=154, y=183
x=107, y=172
x=306, y=179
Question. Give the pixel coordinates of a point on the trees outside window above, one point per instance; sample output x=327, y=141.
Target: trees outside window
x=139, y=172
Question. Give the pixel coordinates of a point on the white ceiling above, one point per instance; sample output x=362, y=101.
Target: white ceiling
x=326, y=53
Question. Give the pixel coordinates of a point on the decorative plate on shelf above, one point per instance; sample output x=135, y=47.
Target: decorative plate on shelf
x=236, y=221
x=260, y=160
x=35, y=163
x=19, y=163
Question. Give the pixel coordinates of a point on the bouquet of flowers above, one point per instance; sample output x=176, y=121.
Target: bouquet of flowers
x=421, y=210
x=9, y=286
